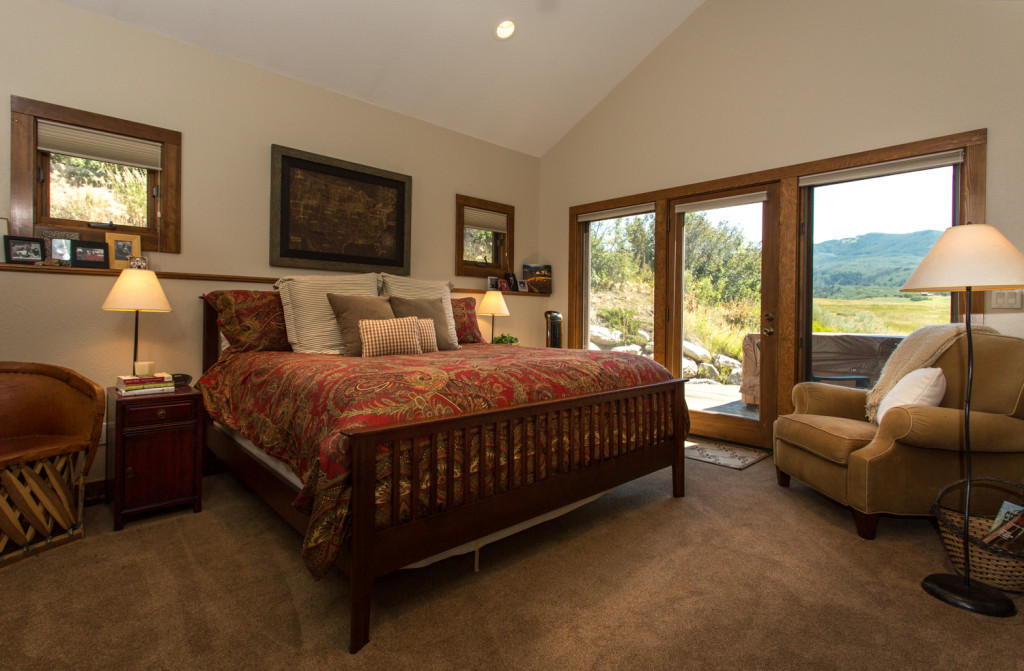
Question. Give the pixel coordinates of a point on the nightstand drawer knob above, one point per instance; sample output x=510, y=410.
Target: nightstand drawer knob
x=161, y=413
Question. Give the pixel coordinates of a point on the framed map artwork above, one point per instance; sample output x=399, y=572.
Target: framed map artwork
x=335, y=215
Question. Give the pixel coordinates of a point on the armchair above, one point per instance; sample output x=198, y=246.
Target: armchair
x=900, y=465
x=50, y=422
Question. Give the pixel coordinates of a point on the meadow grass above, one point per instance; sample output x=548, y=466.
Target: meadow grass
x=895, y=315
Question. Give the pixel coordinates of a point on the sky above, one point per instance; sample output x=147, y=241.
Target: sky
x=913, y=201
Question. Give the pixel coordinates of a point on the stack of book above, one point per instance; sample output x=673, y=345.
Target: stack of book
x=160, y=383
x=1007, y=530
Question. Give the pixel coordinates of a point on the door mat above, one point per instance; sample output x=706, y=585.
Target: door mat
x=723, y=454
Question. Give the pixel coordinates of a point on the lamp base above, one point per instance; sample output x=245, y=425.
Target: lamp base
x=970, y=595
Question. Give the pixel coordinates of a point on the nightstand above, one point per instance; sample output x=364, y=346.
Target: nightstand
x=154, y=444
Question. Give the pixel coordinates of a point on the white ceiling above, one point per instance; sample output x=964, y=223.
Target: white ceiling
x=434, y=60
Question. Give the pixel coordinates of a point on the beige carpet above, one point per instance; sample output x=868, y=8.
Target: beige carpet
x=739, y=574
x=723, y=454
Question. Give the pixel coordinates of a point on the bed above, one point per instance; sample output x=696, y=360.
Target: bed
x=392, y=473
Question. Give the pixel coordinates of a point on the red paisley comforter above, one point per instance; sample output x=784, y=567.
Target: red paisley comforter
x=297, y=407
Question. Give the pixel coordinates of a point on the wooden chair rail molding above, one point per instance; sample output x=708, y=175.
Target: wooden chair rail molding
x=165, y=275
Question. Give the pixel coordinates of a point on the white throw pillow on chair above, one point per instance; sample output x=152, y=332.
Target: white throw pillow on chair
x=924, y=386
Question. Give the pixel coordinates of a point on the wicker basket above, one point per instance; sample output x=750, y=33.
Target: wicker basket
x=991, y=565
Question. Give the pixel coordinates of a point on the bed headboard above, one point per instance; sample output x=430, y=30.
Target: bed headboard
x=211, y=335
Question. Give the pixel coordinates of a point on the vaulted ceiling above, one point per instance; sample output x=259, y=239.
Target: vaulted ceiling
x=434, y=60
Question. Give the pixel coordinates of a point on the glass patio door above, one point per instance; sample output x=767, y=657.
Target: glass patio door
x=728, y=257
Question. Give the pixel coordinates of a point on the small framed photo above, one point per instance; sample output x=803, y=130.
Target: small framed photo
x=513, y=283
x=60, y=249
x=89, y=254
x=23, y=250
x=138, y=262
x=503, y=285
x=492, y=283
x=122, y=248
x=522, y=286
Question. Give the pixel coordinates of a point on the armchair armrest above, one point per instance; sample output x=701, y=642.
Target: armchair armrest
x=818, y=398
x=940, y=429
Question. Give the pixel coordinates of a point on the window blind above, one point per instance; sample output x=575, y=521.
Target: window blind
x=719, y=203
x=926, y=162
x=617, y=213
x=485, y=220
x=58, y=138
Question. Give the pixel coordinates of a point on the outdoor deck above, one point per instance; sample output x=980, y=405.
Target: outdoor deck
x=719, y=398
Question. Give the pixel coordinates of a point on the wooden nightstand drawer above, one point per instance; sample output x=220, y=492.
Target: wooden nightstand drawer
x=158, y=413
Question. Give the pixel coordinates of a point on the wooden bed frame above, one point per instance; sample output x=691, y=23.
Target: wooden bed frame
x=373, y=552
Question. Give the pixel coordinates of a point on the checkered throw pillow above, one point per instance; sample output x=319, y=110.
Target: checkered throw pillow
x=383, y=337
x=428, y=336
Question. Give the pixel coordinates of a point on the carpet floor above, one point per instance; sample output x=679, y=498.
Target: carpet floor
x=739, y=574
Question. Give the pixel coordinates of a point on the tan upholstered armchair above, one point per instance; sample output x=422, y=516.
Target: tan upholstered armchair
x=50, y=421
x=901, y=464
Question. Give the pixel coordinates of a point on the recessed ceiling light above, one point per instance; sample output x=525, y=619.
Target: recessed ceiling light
x=505, y=29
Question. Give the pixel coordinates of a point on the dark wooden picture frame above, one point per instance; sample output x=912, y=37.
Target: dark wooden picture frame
x=85, y=254
x=335, y=215
x=26, y=251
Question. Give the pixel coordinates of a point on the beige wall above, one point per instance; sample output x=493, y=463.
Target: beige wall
x=229, y=114
x=745, y=85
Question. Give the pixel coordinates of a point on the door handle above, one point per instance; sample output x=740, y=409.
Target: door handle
x=770, y=317
x=768, y=330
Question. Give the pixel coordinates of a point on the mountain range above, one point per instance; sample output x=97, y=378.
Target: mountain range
x=869, y=265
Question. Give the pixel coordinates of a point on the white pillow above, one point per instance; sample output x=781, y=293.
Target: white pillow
x=924, y=386
x=308, y=317
x=406, y=287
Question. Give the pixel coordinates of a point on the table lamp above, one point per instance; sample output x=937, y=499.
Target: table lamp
x=139, y=291
x=493, y=304
x=969, y=258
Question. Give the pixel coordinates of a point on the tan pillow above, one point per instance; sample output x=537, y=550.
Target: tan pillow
x=348, y=310
x=308, y=318
x=407, y=287
x=384, y=337
x=427, y=308
x=428, y=338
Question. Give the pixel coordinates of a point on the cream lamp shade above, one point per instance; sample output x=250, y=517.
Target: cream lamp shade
x=137, y=289
x=972, y=255
x=493, y=304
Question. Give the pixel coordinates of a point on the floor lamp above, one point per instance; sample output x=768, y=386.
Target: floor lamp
x=972, y=257
x=493, y=304
x=138, y=291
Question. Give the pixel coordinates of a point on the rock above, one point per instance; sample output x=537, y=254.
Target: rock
x=594, y=348
x=696, y=352
x=645, y=335
x=727, y=362
x=632, y=349
x=604, y=336
x=689, y=367
x=649, y=347
x=735, y=377
x=708, y=371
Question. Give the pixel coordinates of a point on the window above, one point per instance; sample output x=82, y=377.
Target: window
x=483, y=237
x=73, y=171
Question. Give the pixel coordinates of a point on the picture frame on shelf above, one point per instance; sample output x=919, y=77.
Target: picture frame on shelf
x=86, y=254
x=513, y=283
x=503, y=285
x=26, y=251
x=122, y=247
x=49, y=235
x=492, y=283
x=538, y=278
x=60, y=249
x=138, y=262
x=522, y=286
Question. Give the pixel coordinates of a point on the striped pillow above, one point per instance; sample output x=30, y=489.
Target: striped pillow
x=428, y=338
x=383, y=337
x=406, y=287
x=308, y=317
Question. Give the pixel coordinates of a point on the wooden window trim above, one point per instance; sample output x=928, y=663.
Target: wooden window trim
x=506, y=253
x=28, y=200
x=971, y=208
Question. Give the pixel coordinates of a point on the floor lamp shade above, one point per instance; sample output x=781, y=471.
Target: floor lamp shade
x=137, y=291
x=966, y=258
